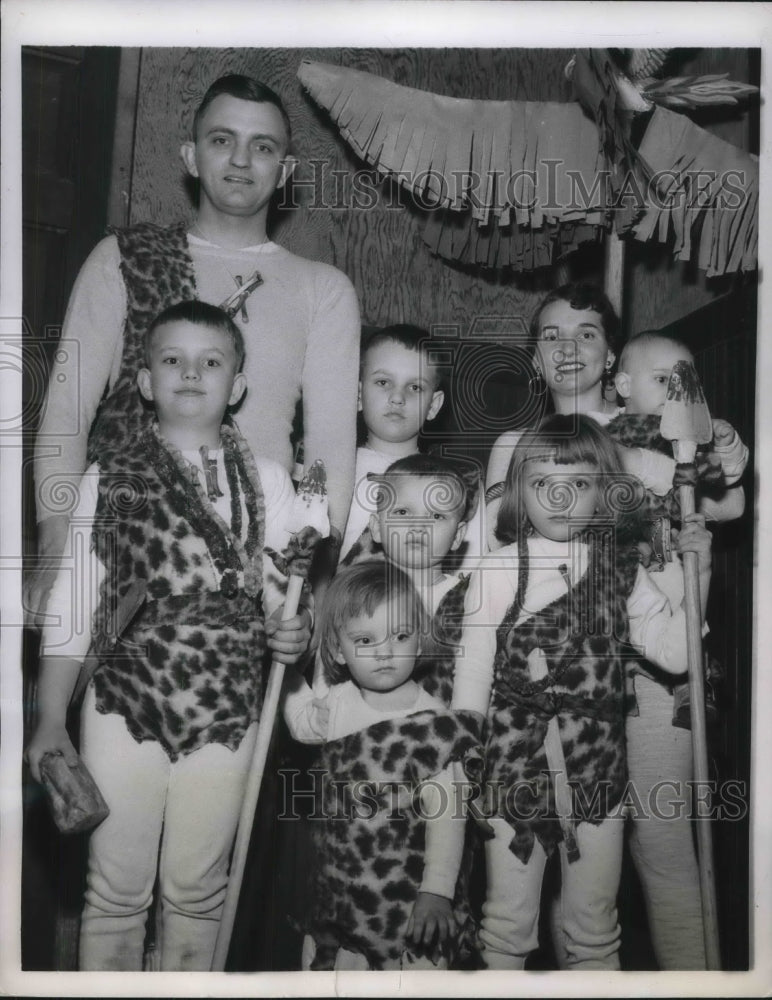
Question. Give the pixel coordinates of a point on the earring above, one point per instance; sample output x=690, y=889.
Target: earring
x=536, y=383
x=607, y=379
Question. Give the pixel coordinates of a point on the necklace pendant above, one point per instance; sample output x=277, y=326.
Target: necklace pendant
x=213, y=490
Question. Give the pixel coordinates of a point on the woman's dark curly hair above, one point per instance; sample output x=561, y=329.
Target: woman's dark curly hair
x=582, y=295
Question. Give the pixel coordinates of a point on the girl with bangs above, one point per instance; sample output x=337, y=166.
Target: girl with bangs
x=551, y=617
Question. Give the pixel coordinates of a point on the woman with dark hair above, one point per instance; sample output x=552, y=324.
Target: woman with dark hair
x=576, y=352
x=574, y=333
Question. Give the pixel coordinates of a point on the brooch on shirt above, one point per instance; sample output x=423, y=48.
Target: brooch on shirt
x=238, y=300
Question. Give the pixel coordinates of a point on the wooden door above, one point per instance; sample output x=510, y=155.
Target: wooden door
x=68, y=114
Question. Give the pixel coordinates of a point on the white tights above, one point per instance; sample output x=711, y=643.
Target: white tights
x=178, y=819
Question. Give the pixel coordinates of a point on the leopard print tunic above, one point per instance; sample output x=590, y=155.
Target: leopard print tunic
x=370, y=842
x=584, y=637
x=188, y=670
x=157, y=271
x=435, y=667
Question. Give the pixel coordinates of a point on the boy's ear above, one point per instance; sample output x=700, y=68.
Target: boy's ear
x=239, y=387
x=459, y=536
x=288, y=165
x=144, y=382
x=188, y=154
x=622, y=384
x=437, y=400
x=375, y=528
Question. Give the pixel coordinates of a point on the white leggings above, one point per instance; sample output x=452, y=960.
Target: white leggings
x=662, y=847
x=188, y=811
x=510, y=922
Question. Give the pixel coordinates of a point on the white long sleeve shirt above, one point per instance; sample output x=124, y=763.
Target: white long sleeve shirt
x=301, y=331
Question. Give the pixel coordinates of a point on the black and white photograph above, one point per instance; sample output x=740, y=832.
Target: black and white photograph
x=433, y=654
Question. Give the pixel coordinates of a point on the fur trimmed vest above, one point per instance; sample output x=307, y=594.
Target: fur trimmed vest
x=157, y=271
x=584, y=637
x=371, y=839
x=187, y=671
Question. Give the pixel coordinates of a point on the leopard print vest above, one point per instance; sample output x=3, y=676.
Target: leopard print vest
x=436, y=664
x=187, y=670
x=584, y=635
x=370, y=841
x=157, y=271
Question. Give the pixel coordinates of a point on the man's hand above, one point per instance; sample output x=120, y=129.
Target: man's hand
x=432, y=925
x=49, y=738
x=288, y=640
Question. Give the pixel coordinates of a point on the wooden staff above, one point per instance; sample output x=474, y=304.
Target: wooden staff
x=308, y=493
x=686, y=422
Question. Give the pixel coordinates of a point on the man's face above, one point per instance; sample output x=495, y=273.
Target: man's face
x=643, y=384
x=239, y=155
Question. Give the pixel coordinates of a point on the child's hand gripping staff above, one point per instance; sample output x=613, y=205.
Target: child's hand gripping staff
x=686, y=422
x=308, y=524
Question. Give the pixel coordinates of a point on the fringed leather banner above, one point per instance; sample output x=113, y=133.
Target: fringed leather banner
x=702, y=179
x=518, y=176
x=518, y=184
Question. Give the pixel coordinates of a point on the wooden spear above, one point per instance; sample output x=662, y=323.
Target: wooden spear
x=686, y=422
x=309, y=511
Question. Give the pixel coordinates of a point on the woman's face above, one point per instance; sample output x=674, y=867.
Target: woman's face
x=571, y=350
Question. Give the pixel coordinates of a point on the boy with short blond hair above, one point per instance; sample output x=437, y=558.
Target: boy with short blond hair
x=399, y=390
x=182, y=515
x=424, y=504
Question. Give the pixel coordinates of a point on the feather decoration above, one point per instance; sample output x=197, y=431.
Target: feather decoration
x=645, y=62
x=696, y=91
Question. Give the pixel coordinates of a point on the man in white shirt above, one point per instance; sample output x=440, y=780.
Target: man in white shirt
x=300, y=319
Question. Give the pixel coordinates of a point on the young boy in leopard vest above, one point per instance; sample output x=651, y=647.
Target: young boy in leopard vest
x=400, y=392
x=424, y=505
x=180, y=519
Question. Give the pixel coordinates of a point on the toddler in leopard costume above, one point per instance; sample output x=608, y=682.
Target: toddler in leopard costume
x=389, y=833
